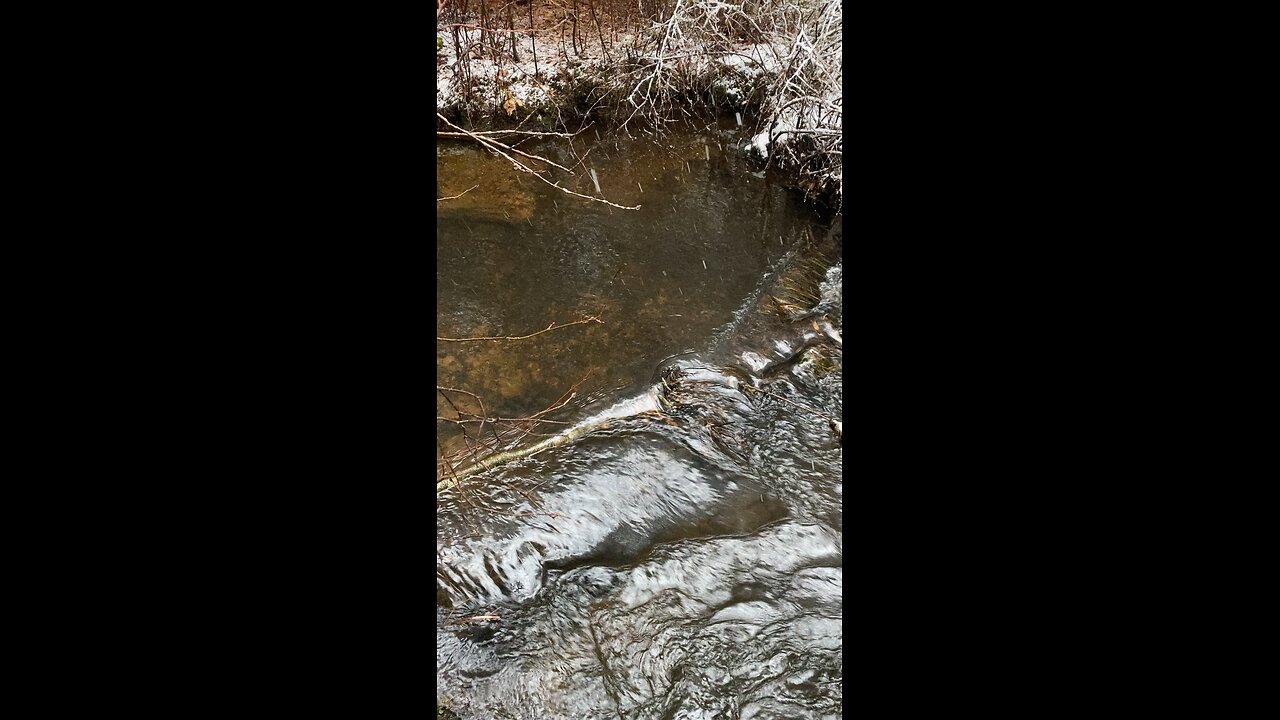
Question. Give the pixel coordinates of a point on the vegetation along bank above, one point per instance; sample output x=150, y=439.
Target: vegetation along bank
x=639, y=66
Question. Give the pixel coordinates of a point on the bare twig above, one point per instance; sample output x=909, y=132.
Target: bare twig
x=455, y=197
x=549, y=328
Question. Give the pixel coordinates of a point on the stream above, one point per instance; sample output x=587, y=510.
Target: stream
x=680, y=556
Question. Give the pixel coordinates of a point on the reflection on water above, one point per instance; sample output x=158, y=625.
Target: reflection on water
x=682, y=564
x=515, y=255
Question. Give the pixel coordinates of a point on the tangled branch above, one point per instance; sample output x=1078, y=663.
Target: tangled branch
x=485, y=436
x=805, y=116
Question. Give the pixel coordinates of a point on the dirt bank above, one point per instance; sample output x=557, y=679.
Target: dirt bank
x=554, y=66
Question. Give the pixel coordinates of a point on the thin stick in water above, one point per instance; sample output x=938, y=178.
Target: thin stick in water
x=455, y=197
x=549, y=328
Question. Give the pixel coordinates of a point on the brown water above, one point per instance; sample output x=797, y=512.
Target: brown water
x=677, y=565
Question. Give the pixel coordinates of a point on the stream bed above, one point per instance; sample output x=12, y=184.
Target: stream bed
x=681, y=555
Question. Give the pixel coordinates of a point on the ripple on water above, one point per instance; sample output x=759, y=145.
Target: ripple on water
x=659, y=569
x=710, y=625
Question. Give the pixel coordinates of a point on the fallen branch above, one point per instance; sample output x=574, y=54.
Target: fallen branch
x=513, y=432
x=501, y=458
x=492, y=145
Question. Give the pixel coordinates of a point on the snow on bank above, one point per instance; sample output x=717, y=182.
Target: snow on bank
x=731, y=75
x=549, y=79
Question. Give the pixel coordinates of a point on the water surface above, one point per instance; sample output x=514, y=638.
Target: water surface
x=675, y=564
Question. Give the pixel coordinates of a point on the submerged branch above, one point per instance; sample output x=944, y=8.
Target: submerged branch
x=455, y=197
x=549, y=328
x=508, y=433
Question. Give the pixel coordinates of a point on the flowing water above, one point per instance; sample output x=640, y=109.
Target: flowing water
x=680, y=557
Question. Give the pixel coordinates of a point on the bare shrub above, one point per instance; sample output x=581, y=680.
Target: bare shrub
x=804, y=103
